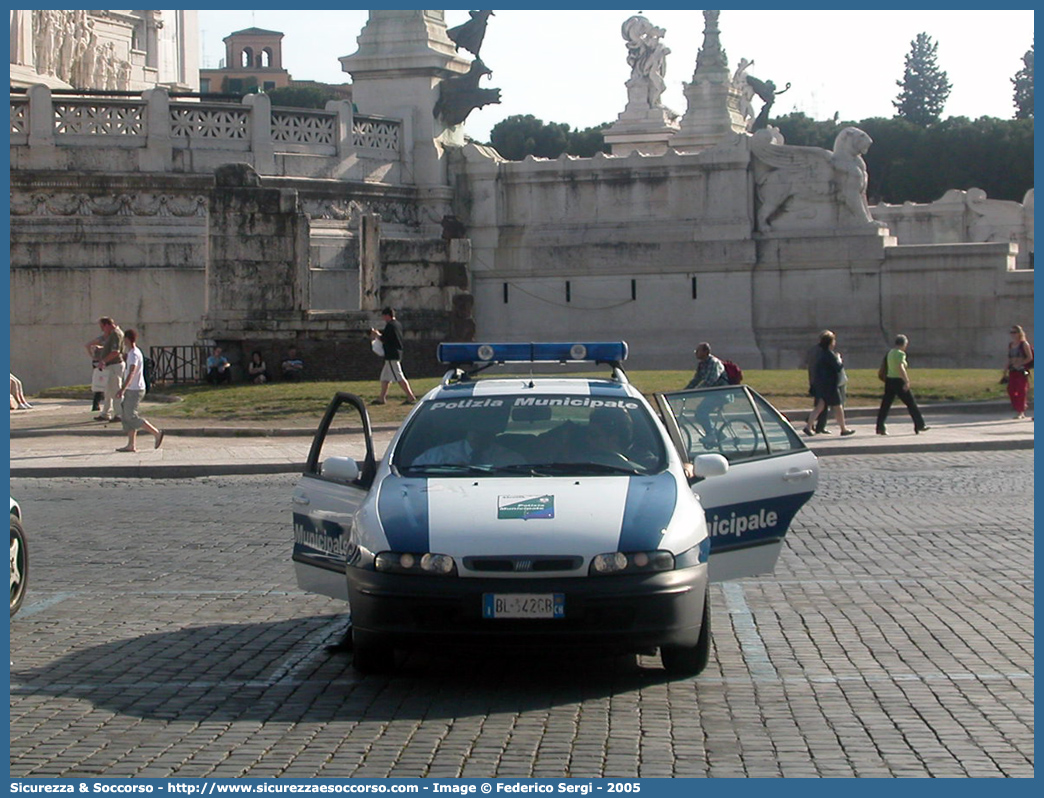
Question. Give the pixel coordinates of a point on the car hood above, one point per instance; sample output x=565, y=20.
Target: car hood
x=510, y=516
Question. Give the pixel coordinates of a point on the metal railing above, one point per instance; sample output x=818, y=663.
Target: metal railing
x=177, y=364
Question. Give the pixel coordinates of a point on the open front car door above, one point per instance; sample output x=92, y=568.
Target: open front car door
x=340, y=470
x=771, y=473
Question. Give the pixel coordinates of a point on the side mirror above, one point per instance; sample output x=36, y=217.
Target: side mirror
x=710, y=465
x=342, y=468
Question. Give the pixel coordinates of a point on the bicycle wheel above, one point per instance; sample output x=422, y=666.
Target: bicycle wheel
x=737, y=437
x=694, y=441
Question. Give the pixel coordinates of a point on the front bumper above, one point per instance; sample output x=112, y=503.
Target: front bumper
x=626, y=613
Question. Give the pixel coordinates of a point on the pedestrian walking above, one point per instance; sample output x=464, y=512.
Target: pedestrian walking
x=810, y=363
x=98, y=376
x=110, y=360
x=392, y=340
x=1016, y=373
x=131, y=392
x=827, y=375
x=897, y=384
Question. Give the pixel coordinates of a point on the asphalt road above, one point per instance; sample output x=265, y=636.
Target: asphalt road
x=163, y=636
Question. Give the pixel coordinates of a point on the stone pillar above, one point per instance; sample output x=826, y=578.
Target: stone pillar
x=345, y=122
x=158, y=155
x=257, y=267
x=41, y=119
x=710, y=118
x=261, y=132
x=370, y=262
x=403, y=56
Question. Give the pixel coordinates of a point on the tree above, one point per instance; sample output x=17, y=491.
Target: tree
x=586, y=143
x=925, y=87
x=910, y=163
x=1023, y=82
x=301, y=96
x=519, y=136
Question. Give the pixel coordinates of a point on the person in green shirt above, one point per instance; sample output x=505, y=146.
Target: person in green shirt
x=897, y=384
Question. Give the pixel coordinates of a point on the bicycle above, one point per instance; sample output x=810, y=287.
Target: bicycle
x=730, y=437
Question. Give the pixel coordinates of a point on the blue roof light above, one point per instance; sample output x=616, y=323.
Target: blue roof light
x=563, y=352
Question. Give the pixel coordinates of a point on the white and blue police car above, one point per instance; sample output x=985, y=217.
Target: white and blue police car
x=551, y=510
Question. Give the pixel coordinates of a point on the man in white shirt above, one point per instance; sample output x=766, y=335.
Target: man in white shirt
x=131, y=393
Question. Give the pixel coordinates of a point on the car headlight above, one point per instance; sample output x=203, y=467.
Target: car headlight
x=635, y=562
x=427, y=563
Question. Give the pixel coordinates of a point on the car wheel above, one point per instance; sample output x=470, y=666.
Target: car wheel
x=19, y=565
x=371, y=653
x=690, y=660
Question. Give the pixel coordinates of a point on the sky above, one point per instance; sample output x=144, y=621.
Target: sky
x=570, y=66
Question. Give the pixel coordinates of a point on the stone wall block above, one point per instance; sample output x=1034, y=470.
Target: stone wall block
x=343, y=133
x=261, y=132
x=41, y=117
x=158, y=155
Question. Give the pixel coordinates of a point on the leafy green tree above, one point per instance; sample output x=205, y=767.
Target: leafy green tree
x=519, y=136
x=798, y=128
x=910, y=163
x=589, y=141
x=301, y=97
x=925, y=87
x=247, y=85
x=1023, y=82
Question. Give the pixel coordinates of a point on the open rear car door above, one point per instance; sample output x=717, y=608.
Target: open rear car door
x=340, y=470
x=771, y=473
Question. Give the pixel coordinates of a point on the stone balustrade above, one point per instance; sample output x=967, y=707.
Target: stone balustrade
x=90, y=133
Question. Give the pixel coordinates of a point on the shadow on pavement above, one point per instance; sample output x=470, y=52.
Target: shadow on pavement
x=287, y=672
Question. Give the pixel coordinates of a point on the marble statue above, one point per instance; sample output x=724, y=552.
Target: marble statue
x=647, y=57
x=809, y=187
x=741, y=86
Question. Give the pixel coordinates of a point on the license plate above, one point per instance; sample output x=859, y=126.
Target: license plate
x=523, y=605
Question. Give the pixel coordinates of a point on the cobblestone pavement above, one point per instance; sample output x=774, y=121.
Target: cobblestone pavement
x=163, y=636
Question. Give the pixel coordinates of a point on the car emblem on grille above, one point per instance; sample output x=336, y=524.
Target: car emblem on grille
x=523, y=565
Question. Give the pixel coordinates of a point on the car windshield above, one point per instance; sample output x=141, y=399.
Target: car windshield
x=531, y=435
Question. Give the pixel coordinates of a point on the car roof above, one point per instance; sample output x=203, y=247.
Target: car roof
x=510, y=386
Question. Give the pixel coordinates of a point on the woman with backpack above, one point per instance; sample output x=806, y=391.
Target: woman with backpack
x=1020, y=361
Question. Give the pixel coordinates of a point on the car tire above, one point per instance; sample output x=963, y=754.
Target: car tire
x=19, y=565
x=690, y=660
x=371, y=653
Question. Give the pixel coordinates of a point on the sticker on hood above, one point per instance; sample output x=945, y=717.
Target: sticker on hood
x=525, y=507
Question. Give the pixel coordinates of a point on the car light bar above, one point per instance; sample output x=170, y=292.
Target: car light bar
x=595, y=352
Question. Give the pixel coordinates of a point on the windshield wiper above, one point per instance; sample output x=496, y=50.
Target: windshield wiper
x=448, y=468
x=584, y=469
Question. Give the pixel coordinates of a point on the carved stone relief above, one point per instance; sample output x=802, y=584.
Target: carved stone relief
x=65, y=45
x=79, y=204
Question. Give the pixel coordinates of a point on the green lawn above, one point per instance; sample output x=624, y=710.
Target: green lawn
x=304, y=402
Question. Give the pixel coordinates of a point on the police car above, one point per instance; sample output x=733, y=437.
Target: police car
x=19, y=558
x=546, y=510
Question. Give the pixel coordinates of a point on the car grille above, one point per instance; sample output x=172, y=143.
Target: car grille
x=523, y=565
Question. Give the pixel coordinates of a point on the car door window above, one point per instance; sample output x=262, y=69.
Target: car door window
x=779, y=434
x=719, y=421
x=343, y=434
